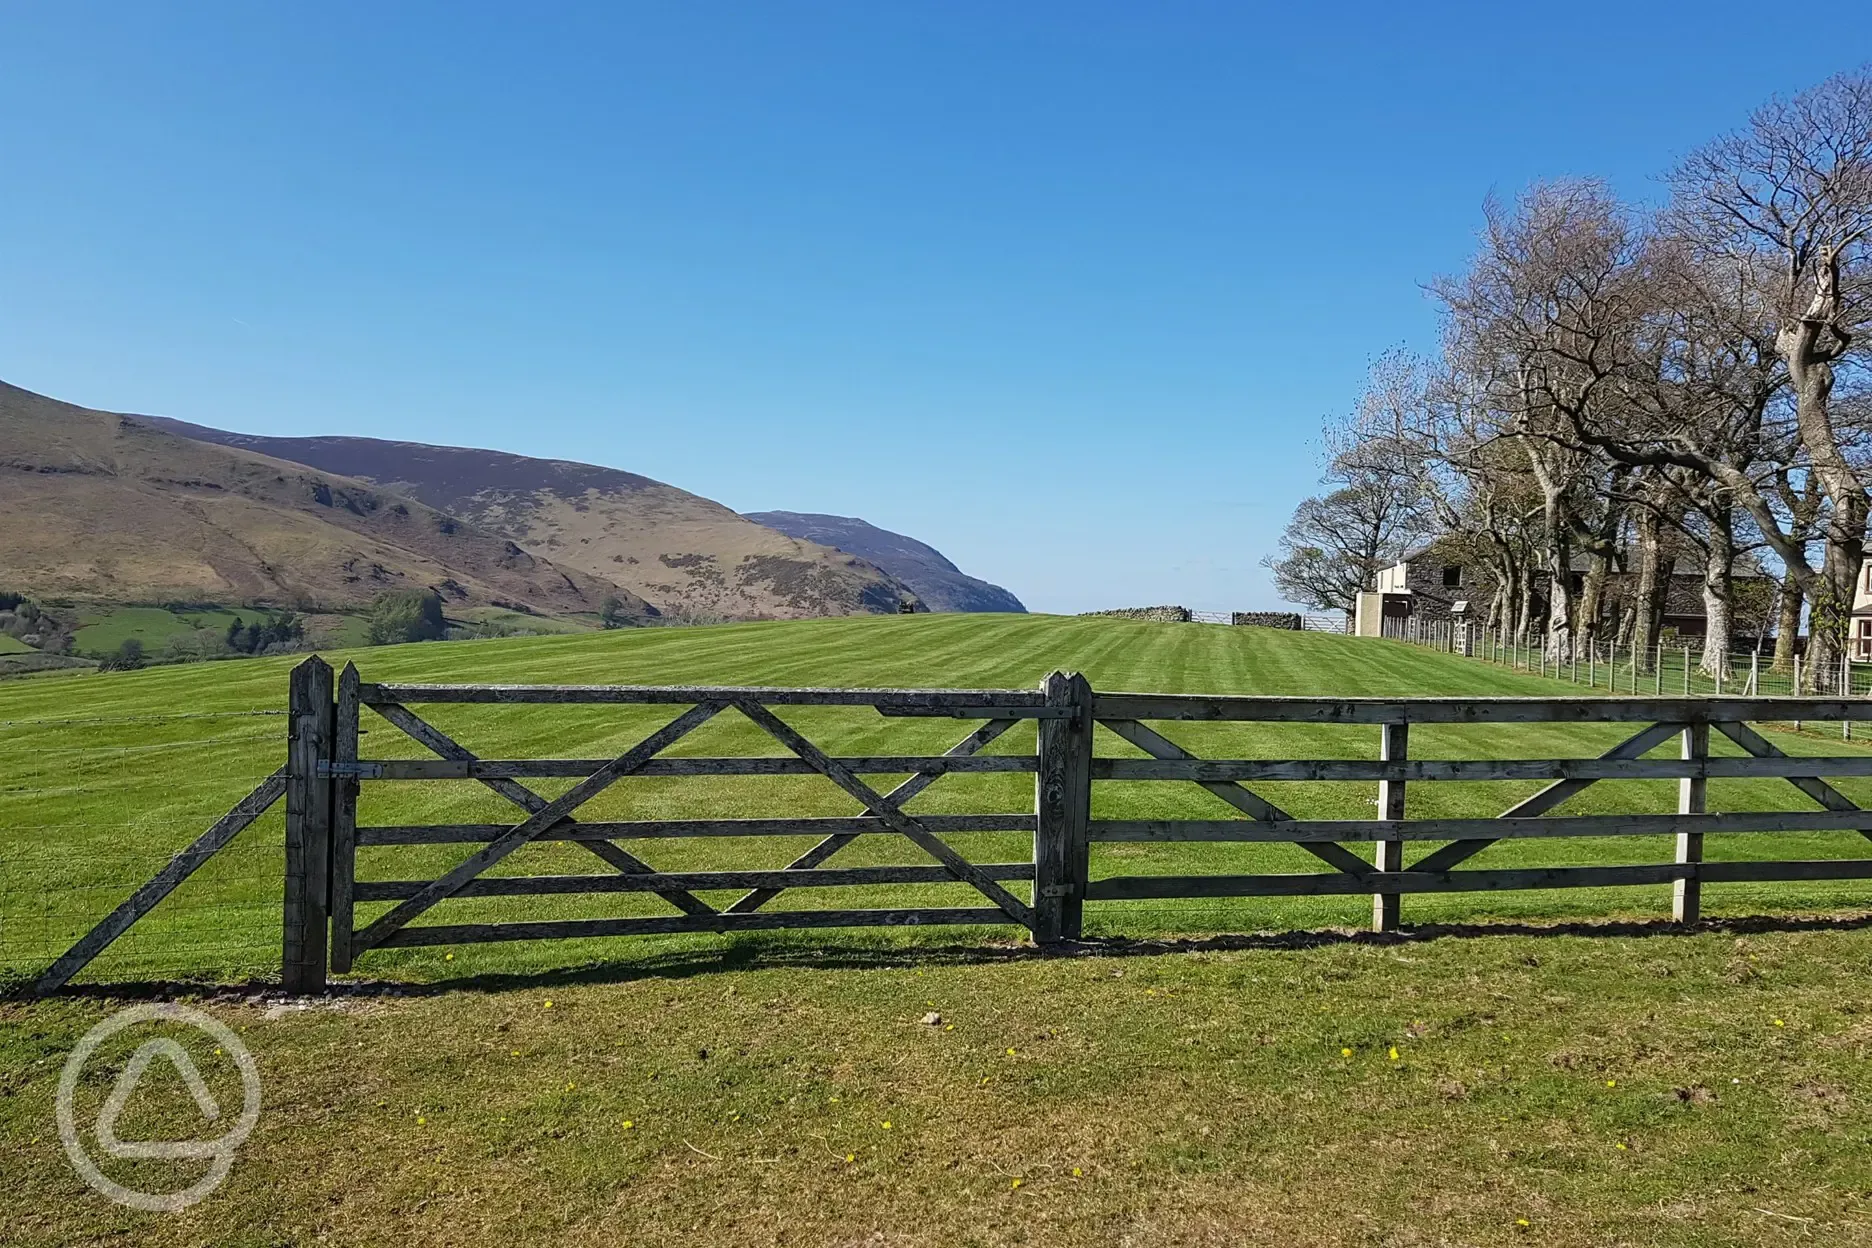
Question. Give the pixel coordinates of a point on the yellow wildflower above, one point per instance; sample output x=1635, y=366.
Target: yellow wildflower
x=885, y=1125
x=1394, y=1053
x=1016, y=1183
x=628, y=1124
x=1345, y=1052
x=851, y=1157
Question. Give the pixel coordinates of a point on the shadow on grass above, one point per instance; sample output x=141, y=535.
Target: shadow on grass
x=759, y=952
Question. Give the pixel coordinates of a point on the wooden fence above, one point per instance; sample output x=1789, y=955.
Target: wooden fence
x=324, y=774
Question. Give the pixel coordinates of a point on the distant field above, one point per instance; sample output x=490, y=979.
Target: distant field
x=108, y=774
x=522, y=622
x=10, y=644
x=103, y=630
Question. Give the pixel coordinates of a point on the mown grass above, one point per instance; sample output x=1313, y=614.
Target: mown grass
x=1497, y=1084
x=103, y=776
x=1689, y=1089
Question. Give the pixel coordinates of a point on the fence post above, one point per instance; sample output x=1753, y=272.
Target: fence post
x=1062, y=809
x=1388, y=855
x=1687, y=895
x=308, y=827
x=344, y=797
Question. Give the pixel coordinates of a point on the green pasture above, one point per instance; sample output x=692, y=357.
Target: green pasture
x=102, y=630
x=103, y=776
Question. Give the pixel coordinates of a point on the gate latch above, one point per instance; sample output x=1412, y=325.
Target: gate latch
x=328, y=770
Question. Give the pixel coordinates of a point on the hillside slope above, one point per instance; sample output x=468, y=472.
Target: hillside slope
x=679, y=550
x=98, y=505
x=939, y=583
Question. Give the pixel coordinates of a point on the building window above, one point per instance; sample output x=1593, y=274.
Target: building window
x=1452, y=577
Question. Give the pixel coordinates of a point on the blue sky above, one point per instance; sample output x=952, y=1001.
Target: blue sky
x=1064, y=289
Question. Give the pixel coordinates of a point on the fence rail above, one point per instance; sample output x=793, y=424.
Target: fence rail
x=1083, y=742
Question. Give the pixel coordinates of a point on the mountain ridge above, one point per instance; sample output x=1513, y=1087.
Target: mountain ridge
x=683, y=553
x=938, y=582
x=110, y=506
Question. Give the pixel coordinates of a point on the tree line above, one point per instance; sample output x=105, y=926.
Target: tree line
x=1634, y=388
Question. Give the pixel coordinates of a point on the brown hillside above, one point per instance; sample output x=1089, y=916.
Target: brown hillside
x=97, y=505
x=679, y=550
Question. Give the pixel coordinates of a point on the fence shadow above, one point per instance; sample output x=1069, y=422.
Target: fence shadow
x=754, y=952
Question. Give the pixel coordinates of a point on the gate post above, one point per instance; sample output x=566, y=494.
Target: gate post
x=1692, y=794
x=1062, y=809
x=308, y=827
x=344, y=799
x=1388, y=855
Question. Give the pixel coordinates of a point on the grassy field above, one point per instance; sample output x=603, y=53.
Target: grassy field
x=104, y=629
x=1533, y=1081
x=1671, y=1090
x=108, y=774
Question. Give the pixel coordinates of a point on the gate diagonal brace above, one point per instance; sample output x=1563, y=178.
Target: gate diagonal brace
x=753, y=900
x=1814, y=787
x=542, y=819
x=1635, y=746
x=1236, y=794
x=526, y=799
x=886, y=810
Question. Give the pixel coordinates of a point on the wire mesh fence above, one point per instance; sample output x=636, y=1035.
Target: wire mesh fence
x=1683, y=668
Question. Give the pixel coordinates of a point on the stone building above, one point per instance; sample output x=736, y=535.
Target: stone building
x=1433, y=584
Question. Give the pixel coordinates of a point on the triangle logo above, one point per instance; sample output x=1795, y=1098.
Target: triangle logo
x=127, y=1083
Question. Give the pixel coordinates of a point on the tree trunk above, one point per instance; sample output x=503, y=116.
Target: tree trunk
x=1558, y=643
x=1787, y=622
x=1718, y=598
x=1591, y=600
x=1646, y=618
x=1809, y=344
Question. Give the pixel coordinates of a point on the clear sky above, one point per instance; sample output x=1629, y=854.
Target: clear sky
x=1063, y=289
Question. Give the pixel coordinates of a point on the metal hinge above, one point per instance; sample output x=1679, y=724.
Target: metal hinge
x=1057, y=890
x=328, y=770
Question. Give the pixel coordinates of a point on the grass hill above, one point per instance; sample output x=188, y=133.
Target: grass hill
x=1489, y=1086
x=683, y=552
x=95, y=505
x=939, y=583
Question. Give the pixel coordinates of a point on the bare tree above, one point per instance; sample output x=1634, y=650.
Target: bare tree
x=1786, y=204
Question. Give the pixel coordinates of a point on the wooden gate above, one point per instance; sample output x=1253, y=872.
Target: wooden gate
x=540, y=818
